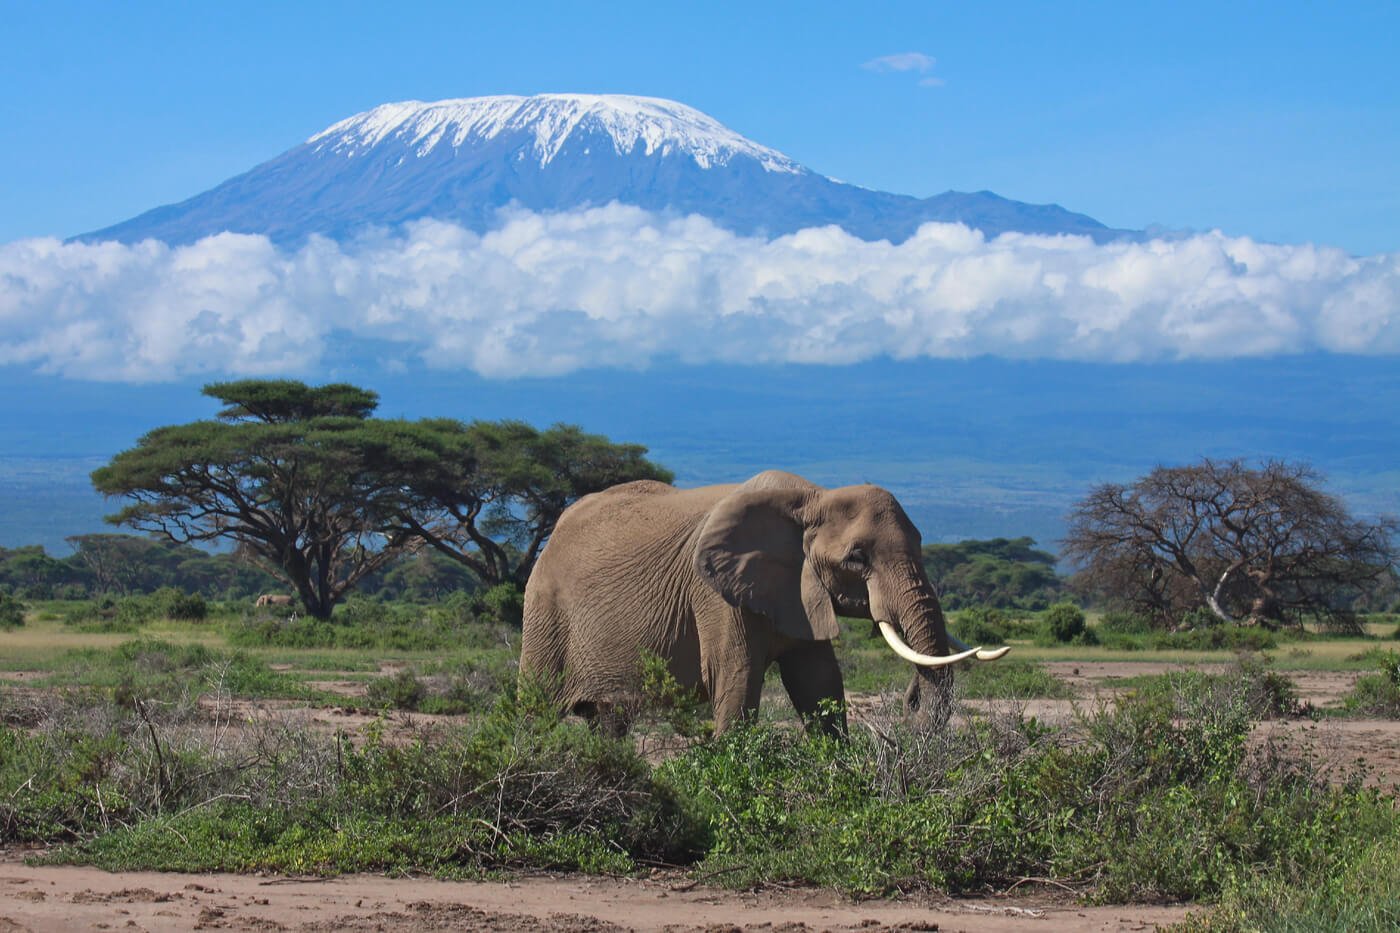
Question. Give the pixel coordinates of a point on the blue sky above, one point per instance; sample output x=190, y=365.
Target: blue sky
x=1280, y=121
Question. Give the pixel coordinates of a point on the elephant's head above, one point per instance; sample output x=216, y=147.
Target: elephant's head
x=800, y=554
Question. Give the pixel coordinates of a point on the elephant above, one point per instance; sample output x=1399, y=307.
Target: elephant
x=270, y=599
x=722, y=581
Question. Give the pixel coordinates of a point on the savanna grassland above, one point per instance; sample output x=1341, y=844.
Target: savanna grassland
x=1247, y=774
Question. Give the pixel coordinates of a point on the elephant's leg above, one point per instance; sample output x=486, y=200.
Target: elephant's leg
x=735, y=689
x=812, y=675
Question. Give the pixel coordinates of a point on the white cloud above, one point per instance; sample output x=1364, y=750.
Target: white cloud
x=617, y=286
x=902, y=61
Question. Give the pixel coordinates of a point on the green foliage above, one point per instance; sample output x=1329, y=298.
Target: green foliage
x=1215, y=638
x=466, y=684
x=1124, y=623
x=11, y=611
x=485, y=495
x=1156, y=797
x=1265, y=692
x=277, y=442
x=362, y=623
x=401, y=690
x=1363, y=894
x=488, y=494
x=981, y=625
x=1010, y=679
x=1377, y=694
x=1002, y=573
x=663, y=698
x=504, y=604
x=518, y=789
x=1065, y=622
x=170, y=603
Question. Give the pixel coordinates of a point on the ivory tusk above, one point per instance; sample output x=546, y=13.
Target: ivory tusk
x=923, y=660
x=983, y=654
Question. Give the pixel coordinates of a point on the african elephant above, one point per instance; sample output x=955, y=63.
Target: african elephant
x=269, y=599
x=722, y=581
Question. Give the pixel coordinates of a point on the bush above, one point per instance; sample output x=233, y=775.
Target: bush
x=358, y=623
x=519, y=789
x=170, y=603
x=1377, y=694
x=472, y=685
x=11, y=611
x=982, y=625
x=1124, y=623
x=1065, y=622
x=504, y=603
x=400, y=690
x=1217, y=638
x=1010, y=679
x=1157, y=797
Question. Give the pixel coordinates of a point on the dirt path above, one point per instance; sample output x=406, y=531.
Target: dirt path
x=60, y=899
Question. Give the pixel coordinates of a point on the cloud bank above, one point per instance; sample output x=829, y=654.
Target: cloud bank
x=546, y=294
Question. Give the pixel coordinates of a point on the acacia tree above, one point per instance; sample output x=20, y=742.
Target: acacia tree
x=288, y=472
x=488, y=494
x=1261, y=544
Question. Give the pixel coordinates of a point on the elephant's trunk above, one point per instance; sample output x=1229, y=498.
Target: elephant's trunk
x=916, y=607
x=906, y=603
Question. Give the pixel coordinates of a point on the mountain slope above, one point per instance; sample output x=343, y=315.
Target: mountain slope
x=463, y=160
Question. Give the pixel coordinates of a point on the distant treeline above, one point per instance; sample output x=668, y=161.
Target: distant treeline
x=1005, y=573
x=1008, y=573
x=123, y=565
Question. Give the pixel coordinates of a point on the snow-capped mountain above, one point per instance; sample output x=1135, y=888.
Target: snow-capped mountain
x=660, y=127
x=463, y=160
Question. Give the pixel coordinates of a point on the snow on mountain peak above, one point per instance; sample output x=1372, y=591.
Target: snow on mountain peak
x=659, y=126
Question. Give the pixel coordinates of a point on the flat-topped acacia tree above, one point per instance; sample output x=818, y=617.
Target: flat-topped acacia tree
x=310, y=486
x=488, y=494
x=291, y=473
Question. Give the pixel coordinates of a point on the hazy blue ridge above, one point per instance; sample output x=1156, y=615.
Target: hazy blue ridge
x=973, y=448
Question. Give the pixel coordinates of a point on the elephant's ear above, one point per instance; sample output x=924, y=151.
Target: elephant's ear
x=750, y=550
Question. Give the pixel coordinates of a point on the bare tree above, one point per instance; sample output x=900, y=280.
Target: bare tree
x=1258, y=544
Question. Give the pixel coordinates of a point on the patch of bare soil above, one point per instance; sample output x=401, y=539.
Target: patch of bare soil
x=64, y=898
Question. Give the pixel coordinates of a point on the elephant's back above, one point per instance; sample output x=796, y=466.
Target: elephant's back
x=636, y=511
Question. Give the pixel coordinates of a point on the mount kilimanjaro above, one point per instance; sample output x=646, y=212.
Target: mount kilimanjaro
x=464, y=160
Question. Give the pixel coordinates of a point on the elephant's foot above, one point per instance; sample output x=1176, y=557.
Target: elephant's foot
x=604, y=717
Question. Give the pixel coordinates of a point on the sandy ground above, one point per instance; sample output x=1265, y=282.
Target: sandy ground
x=58, y=899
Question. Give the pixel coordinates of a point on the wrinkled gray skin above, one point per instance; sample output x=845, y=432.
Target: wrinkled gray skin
x=721, y=582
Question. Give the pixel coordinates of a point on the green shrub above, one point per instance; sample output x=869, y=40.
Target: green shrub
x=1377, y=694
x=462, y=685
x=504, y=603
x=981, y=625
x=400, y=690
x=1157, y=797
x=11, y=611
x=518, y=789
x=664, y=699
x=358, y=623
x=170, y=603
x=1010, y=679
x=1065, y=622
x=1124, y=623
x=1216, y=638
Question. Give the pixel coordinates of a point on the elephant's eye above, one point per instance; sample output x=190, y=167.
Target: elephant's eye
x=857, y=559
